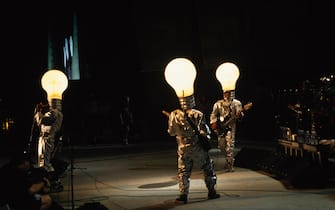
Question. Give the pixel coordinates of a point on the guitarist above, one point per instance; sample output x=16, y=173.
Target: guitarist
x=189, y=151
x=223, y=118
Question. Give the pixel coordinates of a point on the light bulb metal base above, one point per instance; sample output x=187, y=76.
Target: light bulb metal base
x=55, y=103
x=187, y=102
x=231, y=95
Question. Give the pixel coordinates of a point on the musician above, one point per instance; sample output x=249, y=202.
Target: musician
x=48, y=118
x=189, y=151
x=223, y=119
x=50, y=123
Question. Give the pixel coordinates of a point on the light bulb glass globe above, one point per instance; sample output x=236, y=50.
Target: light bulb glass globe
x=54, y=82
x=180, y=74
x=227, y=74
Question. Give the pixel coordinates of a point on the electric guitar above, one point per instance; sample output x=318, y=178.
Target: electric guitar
x=203, y=140
x=223, y=127
x=167, y=114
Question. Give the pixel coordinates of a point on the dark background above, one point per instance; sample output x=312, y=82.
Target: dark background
x=124, y=48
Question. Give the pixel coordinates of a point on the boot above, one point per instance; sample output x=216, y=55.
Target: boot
x=213, y=195
x=229, y=166
x=182, y=199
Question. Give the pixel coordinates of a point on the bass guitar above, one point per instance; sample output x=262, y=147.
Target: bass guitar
x=223, y=127
x=204, y=140
x=167, y=114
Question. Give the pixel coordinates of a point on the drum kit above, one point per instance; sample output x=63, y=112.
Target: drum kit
x=312, y=111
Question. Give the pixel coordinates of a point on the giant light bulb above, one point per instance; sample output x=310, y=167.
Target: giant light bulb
x=54, y=82
x=180, y=74
x=227, y=74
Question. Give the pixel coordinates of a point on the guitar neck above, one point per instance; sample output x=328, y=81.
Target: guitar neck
x=167, y=114
x=245, y=108
x=230, y=120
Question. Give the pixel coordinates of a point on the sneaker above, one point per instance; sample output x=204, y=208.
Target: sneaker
x=182, y=199
x=213, y=195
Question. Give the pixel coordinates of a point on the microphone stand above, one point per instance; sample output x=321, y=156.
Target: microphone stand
x=72, y=176
x=71, y=156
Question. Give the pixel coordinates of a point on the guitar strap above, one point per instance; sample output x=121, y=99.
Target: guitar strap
x=230, y=114
x=203, y=141
x=195, y=128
